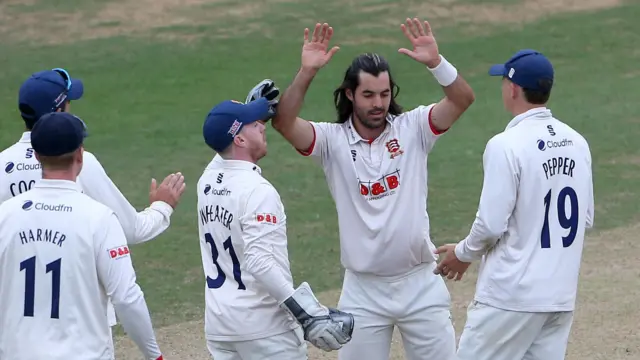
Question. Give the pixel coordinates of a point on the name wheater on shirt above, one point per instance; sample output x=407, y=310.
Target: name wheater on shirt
x=216, y=213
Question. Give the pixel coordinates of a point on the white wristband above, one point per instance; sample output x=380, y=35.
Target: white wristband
x=445, y=73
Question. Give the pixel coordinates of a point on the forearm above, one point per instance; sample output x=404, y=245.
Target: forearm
x=151, y=222
x=271, y=276
x=476, y=244
x=292, y=99
x=136, y=321
x=458, y=95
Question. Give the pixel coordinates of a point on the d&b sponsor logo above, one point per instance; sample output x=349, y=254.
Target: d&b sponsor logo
x=549, y=144
x=28, y=205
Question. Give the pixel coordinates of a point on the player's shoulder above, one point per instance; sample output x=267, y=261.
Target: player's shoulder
x=17, y=149
x=503, y=141
x=419, y=112
x=327, y=127
x=90, y=159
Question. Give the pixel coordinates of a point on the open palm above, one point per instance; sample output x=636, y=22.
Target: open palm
x=425, y=48
x=314, y=50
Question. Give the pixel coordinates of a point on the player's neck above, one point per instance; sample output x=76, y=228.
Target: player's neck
x=365, y=132
x=68, y=175
x=244, y=157
x=524, y=107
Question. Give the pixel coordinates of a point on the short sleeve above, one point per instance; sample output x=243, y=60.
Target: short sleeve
x=323, y=132
x=419, y=119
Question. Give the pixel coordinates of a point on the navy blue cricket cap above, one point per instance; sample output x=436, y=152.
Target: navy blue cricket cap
x=58, y=133
x=226, y=119
x=525, y=68
x=46, y=91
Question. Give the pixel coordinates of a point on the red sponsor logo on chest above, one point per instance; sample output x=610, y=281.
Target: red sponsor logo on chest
x=382, y=186
x=266, y=218
x=118, y=252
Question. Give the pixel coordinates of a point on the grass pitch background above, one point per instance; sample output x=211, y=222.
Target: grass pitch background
x=153, y=69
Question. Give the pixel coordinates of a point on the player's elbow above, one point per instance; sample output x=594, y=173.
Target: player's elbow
x=125, y=297
x=258, y=261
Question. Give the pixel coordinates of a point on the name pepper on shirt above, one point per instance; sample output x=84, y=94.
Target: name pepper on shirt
x=558, y=166
x=216, y=213
x=42, y=235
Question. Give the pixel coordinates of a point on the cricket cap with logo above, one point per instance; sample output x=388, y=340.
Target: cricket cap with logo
x=46, y=91
x=526, y=68
x=226, y=119
x=58, y=133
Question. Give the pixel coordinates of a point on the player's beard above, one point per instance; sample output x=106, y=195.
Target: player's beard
x=369, y=118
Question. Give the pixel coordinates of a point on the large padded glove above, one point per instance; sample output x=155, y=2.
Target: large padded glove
x=265, y=88
x=325, y=328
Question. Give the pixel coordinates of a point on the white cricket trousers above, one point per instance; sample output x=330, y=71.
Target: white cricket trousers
x=495, y=334
x=418, y=302
x=287, y=346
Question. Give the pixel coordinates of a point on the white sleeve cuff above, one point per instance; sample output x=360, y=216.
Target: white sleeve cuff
x=162, y=207
x=462, y=254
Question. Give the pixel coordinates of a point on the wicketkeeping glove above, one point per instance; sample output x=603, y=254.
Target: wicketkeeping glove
x=268, y=89
x=326, y=328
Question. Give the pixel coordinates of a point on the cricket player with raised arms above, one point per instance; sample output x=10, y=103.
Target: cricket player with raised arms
x=536, y=203
x=62, y=256
x=374, y=159
x=253, y=312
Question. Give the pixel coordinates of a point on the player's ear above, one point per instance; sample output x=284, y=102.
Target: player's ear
x=239, y=139
x=79, y=154
x=516, y=91
x=349, y=94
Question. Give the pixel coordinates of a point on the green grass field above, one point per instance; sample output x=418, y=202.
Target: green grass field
x=153, y=69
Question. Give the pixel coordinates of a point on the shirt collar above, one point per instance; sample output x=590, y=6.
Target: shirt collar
x=57, y=184
x=354, y=137
x=535, y=114
x=26, y=137
x=233, y=164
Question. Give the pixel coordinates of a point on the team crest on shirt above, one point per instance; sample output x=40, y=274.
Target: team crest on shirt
x=393, y=146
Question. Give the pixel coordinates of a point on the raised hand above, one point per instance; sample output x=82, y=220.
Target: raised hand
x=169, y=191
x=314, y=50
x=425, y=48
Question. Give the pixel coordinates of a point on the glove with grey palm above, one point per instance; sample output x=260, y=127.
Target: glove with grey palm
x=267, y=89
x=325, y=328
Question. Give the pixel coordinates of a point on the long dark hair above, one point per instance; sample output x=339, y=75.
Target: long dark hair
x=370, y=63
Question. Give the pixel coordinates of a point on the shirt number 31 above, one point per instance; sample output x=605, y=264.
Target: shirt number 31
x=566, y=222
x=222, y=277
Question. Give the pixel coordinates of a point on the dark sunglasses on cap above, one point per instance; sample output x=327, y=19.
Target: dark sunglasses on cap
x=59, y=101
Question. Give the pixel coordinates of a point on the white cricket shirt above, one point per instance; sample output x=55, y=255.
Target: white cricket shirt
x=380, y=191
x=21, y=170
x=536, y=202
x=62, y=255
x=243, y=240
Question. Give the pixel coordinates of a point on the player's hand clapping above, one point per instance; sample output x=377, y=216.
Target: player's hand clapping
x=169, y=191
